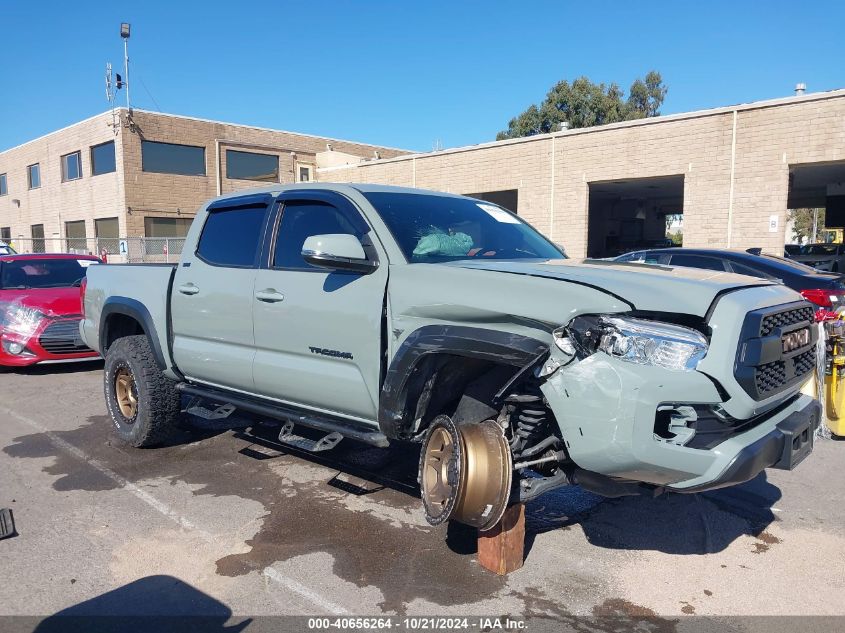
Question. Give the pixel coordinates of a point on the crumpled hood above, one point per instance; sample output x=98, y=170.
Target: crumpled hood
x=644, y=286
x=53, y=302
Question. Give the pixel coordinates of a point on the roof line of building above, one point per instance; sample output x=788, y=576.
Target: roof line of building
x=61, y=129
x=266, y=129
x=681, y=116
x=190, y=118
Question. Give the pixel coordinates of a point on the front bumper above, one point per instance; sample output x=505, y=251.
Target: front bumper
x=783, y=448
x=57, y=350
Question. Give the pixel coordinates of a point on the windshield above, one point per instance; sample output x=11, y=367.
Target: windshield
x=42, y=273
x=431, y=228
x=819, y=249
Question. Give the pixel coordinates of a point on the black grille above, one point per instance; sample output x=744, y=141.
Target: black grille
x=62, y=337
x=763, y=368
x=786, y=318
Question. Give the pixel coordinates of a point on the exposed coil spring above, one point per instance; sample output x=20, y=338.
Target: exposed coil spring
x=529, y=416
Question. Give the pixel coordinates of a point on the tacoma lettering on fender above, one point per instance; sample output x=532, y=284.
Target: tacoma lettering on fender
x=390, y=315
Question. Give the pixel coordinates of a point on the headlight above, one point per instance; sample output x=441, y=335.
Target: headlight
x=20, y=319
x=635, y=341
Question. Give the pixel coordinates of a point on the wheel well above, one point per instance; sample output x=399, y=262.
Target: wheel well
x=119, y=326
x=461, y=387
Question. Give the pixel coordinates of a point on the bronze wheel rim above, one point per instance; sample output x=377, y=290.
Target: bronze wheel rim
x=440, y=454
x=126, y=393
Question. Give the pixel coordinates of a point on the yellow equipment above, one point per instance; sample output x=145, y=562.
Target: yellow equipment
x=835, y=376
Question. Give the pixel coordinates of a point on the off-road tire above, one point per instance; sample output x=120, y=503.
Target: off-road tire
x=158, y=402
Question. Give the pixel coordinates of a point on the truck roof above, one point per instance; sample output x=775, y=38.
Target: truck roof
x=340, y=187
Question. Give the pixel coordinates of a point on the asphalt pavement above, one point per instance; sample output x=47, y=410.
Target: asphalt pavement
x=226, y=523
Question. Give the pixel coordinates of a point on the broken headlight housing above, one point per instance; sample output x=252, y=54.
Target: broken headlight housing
x=633, y=340
x=19, y=319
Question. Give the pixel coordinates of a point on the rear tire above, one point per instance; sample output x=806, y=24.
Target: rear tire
x=143, y=403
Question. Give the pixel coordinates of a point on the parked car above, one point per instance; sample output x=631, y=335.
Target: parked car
x=829, y=257
x=40, y=309
x=6, y=249
x=791, y=250
x=389, y=315
x=826, y=290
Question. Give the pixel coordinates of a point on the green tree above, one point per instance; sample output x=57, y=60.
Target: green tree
x=584, y=104
x=802, y=223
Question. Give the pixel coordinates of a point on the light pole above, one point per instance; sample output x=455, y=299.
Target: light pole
x=124, y=33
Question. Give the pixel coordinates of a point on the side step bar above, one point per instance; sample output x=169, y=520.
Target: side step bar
x=283, y=412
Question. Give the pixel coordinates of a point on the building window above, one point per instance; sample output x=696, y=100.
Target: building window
x=37, y=233
x=166, y=227
x=33, y=176
x=3, y=187
x=76, y=237
x=107, y=232
x=303, y=173
x=170, y=158
x=252, y=166
x=71, y=166
x=102, y=159
x=6, y=234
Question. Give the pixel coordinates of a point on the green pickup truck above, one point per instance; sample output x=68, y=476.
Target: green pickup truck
x=383, y=315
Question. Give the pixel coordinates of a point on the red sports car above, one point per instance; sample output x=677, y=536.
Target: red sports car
x=40, y=308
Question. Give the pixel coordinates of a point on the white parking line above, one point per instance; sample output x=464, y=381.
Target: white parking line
x=164, y=509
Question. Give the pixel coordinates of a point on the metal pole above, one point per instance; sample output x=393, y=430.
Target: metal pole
x=126, y=68
x=815, y=225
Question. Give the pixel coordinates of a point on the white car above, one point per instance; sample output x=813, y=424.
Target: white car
x=823, y=257
x=5, y=249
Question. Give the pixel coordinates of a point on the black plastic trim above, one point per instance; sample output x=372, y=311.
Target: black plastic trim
x=138, y=311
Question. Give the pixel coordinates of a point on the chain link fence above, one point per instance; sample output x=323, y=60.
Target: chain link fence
x=128, y=250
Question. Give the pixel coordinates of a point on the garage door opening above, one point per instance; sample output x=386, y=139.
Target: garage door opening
x=816, y=203
x=507, y=198
x=627, y=215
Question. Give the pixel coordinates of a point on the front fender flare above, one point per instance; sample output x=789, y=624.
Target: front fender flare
x=504, y=348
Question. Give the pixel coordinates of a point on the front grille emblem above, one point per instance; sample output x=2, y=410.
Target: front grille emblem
x=795, y=340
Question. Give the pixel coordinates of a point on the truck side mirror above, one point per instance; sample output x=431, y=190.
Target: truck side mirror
x=337, y=251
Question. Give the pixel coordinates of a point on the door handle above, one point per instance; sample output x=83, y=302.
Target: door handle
x=188, y=289
x=269, y=295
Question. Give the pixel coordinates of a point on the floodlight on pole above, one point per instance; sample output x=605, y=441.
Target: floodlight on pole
x=124, y=33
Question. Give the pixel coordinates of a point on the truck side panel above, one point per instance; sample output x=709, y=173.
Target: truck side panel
x=128, y=299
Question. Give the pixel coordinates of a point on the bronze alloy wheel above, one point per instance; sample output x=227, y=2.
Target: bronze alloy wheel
x=465, y=473
x=126, y=393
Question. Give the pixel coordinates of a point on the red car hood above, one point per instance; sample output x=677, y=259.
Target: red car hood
x=55, y=302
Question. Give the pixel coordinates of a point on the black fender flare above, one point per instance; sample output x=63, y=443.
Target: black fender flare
x=138, y=311
x=504, y=348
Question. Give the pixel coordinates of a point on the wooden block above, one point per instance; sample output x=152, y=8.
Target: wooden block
x=502, y=548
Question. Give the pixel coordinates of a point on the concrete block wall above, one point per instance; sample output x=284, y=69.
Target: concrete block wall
x=169, y=195
x=735, y=163
x=57, y=202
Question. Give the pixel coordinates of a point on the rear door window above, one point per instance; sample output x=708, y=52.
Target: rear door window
x=232, y=237
x=698, y=261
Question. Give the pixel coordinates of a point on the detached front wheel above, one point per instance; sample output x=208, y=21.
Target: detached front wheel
x=142, y=402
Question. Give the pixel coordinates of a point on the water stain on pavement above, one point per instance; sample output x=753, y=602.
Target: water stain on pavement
x=404, y=562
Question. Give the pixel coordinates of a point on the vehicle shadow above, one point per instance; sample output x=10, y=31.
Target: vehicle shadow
x=672, y=523
x=154, y=603
x=69, y=367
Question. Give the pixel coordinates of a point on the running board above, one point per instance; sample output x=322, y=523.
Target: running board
x=325, y=443
x=287, y=413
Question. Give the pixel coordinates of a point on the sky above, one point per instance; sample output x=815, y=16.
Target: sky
x=410, y=75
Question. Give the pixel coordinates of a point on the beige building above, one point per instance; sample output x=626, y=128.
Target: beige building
x=144, y=174
x=726, y=175
x=731, y=172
